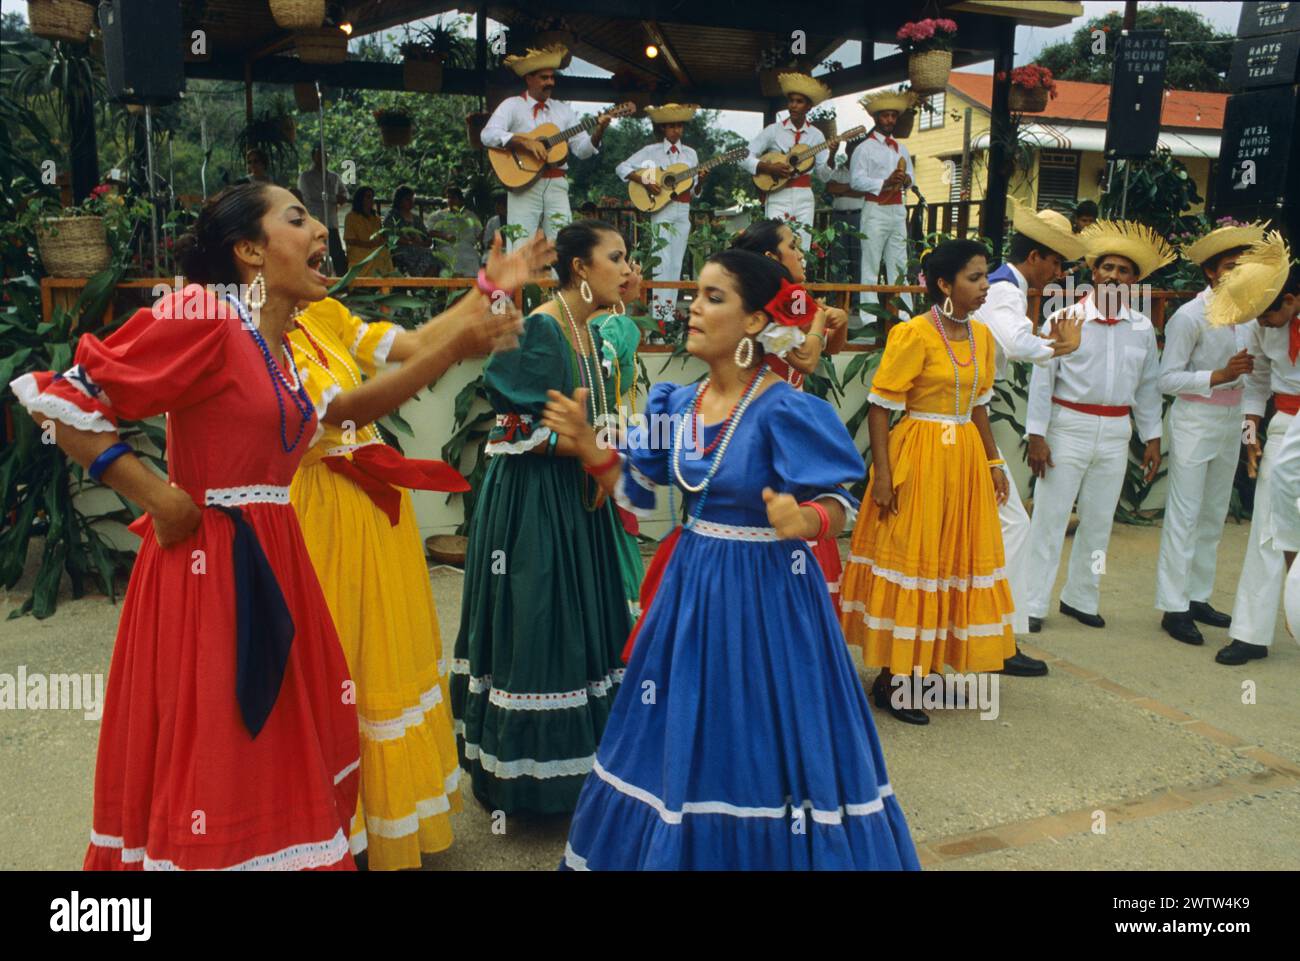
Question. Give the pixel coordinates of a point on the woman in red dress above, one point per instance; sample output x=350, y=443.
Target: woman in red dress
x=229, y=735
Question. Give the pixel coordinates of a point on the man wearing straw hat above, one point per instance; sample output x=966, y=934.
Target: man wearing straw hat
x=1041, y=245
x=1078, y=419
x=669, y=122
x=795, y=201
x=545, y=203
x=1204, y=368
x=882, y=169
x=1265, y=286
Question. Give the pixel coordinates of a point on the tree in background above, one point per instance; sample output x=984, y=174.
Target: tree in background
x=1196, y=63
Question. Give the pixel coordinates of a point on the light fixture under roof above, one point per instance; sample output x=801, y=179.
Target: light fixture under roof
x=651, y=50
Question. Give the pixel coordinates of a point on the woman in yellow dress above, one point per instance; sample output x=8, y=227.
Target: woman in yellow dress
x=361, y=233
x=925, y=586
x=352, y=498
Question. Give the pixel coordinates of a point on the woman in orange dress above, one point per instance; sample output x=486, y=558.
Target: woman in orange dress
x=925, y=585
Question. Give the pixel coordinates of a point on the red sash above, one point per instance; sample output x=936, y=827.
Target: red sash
x=552, y=173
x=803, y=180
x=1287, y=403
x=376, y=468
x=653, y=575
x=1100, y=410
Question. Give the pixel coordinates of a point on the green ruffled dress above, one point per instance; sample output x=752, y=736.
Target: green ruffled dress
x=544, y=614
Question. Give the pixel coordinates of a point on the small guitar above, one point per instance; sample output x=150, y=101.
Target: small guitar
x=675, y=180
x=516, y=168
x=801, y=158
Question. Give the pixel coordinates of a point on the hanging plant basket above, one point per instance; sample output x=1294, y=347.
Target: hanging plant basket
x=321, y=46
x=474, y=124
x=906, y=120
x=395, y=128
x=73, y=246
x=422, y=75
x=304, y=97
x=298, y=14
x=1028, y=101
x=768, y=83
x=288, y=129
x=827, y=126
x=61, y=19
x=928, y=72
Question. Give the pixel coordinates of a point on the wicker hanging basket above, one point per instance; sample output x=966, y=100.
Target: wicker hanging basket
x=321, y=46
x=474, y=124
x=906, y=120
x=769, y=83
x=73, y=246
x=395, y=133
x=61, y=19
x=827, y=126
x=928, y=72
x=1028, y=101
x=422, y=76
x=298, y=14
x=304, y=97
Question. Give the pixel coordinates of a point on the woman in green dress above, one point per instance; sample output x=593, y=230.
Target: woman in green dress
x=544, y=614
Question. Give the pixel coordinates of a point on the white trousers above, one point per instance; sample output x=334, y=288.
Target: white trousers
x=885, y=230
x=1015, y=547
x=676, y=218
x=1091, y=457
x=797, y=204
x=1204, y=445
x=1259, y=589
x=545, y=204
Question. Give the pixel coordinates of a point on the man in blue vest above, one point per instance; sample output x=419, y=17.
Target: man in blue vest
x=1042, y=244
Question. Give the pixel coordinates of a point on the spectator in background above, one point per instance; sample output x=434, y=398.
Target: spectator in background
x=1085, y=213
x=361, y=232
x=258, y=167
x=312, y=183
x=412, y=256
x=494, y=223
x=457, y=229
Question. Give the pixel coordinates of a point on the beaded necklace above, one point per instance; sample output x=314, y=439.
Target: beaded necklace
x=697, y=429
x=936, y=316
x=589, y=376
x=369, y=432
x=732, y=422
x=297, y=393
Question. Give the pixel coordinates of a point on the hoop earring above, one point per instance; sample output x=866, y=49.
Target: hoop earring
x=622, y=308
x=748, y=344
x=584, y=291
x=947, y=307
x=258, y=285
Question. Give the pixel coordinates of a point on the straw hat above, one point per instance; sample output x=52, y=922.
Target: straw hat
x=1247, y=289
x=1127, y=238
x=814, y=90
x=898, y=100
x=1224, y=238
x=672, y=112
x=554, y=57
x=1051, y=228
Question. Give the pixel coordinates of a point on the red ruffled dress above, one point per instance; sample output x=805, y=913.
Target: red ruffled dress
x=180, y=782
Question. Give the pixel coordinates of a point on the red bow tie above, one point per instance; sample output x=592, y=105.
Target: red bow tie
x=1293, y=347
x=673, y=149
x=538, y=108
x=1108, y=321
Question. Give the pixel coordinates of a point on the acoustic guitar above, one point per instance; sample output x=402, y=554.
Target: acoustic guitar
x=516, y=168
x=675, y=180
x=801, y=158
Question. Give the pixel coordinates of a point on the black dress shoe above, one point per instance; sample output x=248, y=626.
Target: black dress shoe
x=1180, y=626
x=1022, y=665
x=1204, y=613
x=1092, y=620
x=1239, y=652
x=881, y=692
x=1035, y=625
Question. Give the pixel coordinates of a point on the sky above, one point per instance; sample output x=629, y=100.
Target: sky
x=1029, y=41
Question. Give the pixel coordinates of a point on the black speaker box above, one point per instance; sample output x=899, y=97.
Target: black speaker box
x=143, y=51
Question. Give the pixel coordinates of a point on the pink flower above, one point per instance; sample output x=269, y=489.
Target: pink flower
x=948, y=26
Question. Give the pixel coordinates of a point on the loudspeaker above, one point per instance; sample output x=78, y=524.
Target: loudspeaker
x=1265, y=61
x=1136, y=94
x=142, y=50
x=1259, y=157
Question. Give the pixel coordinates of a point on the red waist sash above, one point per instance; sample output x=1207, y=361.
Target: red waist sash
x=380, y=471
x=1100, y=410
x=1287, y=403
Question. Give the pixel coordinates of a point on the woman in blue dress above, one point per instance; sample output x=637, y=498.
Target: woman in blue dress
x=742, y=738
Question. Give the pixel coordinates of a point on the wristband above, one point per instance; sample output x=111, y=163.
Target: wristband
x=825, y=517
x=997, y=462
x=551, y=443
x=105, y=460
x=489, y=288
x=819, y=336
x=606, y=465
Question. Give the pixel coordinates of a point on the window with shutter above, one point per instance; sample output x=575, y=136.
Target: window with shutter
x=1058, y=179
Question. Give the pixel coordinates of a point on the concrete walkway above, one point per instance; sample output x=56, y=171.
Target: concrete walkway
x=1137, y=753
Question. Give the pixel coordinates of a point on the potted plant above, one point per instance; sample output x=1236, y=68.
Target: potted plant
x=61, y=19
x=635, y=87
x=474, y=124
x=394, y=126
x=304, y=97
x=298, y=14
x=1031, y=86
x=323, y=45
x=824, y=120
x=268, y=133
x=75, y=241
x=928, y=45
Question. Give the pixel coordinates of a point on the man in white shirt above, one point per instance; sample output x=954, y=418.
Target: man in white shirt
x=1264, y=281
x=1203, y=367
x=846, y=216
x=310, y=186
x=544, y=204
x=1040, y=247
x=796, y=201
x=1078, y=420
x=882, y=170
x=673, y=222
x=1285, y=480
x=457, y=229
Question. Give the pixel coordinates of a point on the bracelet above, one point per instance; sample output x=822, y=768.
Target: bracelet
x=105, y=460
x=822, y=513
x=604, y=466
x=489, y=288
x=997, y=462
x=551, y=443
x=819, y=336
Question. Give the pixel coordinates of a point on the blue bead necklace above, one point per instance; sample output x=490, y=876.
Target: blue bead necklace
x=296, y=391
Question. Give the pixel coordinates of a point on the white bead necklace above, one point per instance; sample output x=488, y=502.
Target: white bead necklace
x=596, y=392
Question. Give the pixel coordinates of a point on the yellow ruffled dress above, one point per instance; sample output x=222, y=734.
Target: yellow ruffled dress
x=927, y=587
x=376, y=583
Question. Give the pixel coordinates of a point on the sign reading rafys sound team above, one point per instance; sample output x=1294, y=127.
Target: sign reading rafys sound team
x=1137, y=89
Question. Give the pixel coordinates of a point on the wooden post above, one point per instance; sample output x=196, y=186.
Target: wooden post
x=1000, y=136
x=83, y=155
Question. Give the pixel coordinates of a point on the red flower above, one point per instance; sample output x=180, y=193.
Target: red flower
x=790, y=306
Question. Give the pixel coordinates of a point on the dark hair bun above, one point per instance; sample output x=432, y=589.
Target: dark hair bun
x=204, y=252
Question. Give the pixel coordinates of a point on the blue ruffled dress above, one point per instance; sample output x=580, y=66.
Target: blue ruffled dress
x=741, y=738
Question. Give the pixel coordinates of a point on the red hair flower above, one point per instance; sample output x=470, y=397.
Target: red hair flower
x=790, y=306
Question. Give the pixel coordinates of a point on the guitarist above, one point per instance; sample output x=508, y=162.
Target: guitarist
x=795, y=201
x=875, y=170
x=669, y=123
x=545, y=203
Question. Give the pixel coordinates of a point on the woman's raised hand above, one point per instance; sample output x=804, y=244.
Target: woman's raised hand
x=479, y=327
x=525, y=263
